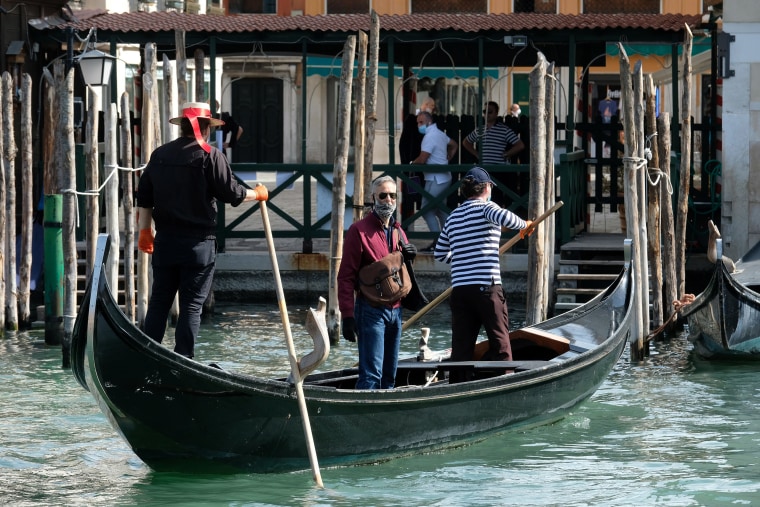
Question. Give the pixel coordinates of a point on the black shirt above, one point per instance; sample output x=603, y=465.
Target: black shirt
x=182, y=184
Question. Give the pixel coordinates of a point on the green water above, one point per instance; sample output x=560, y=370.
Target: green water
x=673, y=431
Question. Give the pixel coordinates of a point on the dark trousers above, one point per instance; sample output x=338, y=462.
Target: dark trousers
x=183, y=266
x=473, y=307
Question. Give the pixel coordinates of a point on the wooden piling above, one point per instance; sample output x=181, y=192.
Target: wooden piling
x=111, y=197
x=669, y=278
x=65, y=156
x=179, y=44
x=536, y=311
x=654, y=231
x=684, y=187
x=339, y=185
x=200, y=83
x=641, y=191
x=631, y=198
x=550, y=197
x=9, y=155
x=3, y=219
x=371, y=100
x=92, y=175
x=359, y=132
x=28, y=204
x=129, y=210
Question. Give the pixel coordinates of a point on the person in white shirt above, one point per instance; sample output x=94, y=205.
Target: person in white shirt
x=437, y=149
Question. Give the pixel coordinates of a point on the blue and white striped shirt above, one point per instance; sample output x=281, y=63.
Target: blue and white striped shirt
x=469, y=241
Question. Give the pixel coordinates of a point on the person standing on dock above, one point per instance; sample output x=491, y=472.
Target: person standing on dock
x=469, y=242
x=376, y=327
x=178, y=190
x=437, y=148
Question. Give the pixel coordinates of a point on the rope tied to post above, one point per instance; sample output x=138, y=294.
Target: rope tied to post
x=97, y=191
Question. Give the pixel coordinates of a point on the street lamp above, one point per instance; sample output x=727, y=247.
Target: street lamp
x=96, y=67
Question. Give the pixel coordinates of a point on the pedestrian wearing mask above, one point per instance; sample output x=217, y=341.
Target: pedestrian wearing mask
x=375, y=328
x=437, y=149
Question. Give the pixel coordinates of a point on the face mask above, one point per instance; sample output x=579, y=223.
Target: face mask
x=516, y=113
x=422, y=129
x=385, y=209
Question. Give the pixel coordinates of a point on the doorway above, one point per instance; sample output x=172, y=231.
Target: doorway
x=258, y=108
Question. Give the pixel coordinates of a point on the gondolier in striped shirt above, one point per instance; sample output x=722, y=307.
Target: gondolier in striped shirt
x=469, y=242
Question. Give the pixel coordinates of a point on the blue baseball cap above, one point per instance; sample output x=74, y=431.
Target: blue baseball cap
x=479, y=174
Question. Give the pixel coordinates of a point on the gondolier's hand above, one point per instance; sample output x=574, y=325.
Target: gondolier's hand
x=349, y=329
x=145, y=241
x=261, y=193
x=409, y=251
x=524, y=233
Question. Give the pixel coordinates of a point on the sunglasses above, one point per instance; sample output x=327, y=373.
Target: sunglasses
x=384, y=195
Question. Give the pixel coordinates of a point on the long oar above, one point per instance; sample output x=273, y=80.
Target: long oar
x=506, y=246
x=295, y=371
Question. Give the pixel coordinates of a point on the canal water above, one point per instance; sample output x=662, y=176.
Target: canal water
x=672, y=431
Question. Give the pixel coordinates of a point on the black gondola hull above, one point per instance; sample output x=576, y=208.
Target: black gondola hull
x=181, y=415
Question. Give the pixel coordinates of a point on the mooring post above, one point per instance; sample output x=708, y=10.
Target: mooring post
x=53, y=262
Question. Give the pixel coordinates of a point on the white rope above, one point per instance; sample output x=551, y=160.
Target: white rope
x=97, y=191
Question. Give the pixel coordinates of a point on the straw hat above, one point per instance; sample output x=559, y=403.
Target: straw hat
x=192, y=110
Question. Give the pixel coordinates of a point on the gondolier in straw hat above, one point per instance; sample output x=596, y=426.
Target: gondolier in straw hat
x=178, y=191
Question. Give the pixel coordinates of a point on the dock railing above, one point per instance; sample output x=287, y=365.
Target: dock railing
x=300, y=199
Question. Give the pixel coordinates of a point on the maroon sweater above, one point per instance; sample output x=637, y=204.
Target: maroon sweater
x=364, y=243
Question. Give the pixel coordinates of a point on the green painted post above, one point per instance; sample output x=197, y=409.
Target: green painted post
x=53, y=264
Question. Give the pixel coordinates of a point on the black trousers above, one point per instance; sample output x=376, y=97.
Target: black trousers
x=183, y=266
x=473, y=307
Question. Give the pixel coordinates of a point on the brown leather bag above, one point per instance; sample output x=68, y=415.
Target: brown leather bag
x=385, y=281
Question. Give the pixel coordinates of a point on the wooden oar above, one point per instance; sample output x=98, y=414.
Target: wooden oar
x=294, y=369
x=506, y=246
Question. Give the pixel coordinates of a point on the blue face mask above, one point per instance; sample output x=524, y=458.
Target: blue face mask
x=422, y=129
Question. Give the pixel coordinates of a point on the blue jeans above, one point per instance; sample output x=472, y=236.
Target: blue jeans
x=379, y=330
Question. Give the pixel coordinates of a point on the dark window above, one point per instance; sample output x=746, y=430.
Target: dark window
x=542, y=6
x=347, y=6
x=621, y=6
x=420, y=6
x=253, y=7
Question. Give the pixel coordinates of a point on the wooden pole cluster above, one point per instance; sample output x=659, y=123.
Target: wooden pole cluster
x=339, y=185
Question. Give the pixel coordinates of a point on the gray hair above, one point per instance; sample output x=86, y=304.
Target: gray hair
x=380, y=180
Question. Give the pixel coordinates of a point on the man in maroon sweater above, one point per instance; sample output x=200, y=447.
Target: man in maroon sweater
x=378, y=328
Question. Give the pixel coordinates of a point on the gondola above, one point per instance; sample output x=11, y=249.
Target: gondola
x=180, y=415
x=724, y=319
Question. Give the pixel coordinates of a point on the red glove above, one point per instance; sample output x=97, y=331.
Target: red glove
x=261, y=192
x=145, y=241
x=524, y=233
